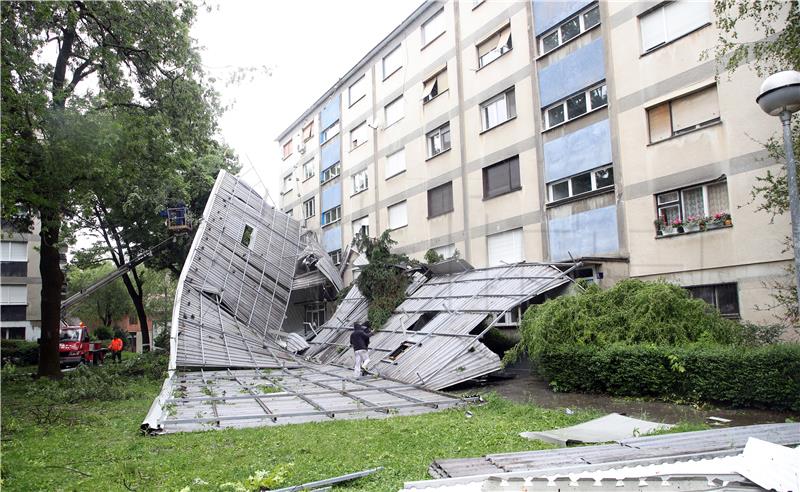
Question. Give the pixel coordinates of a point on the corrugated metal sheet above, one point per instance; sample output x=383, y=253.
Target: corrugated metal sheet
x=438, y=325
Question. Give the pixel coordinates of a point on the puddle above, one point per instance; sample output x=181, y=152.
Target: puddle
x=531, y=388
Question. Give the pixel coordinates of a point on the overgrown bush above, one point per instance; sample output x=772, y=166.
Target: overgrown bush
x=631, y=312
x=766, y=377
x=383, y=281
x=19, y=352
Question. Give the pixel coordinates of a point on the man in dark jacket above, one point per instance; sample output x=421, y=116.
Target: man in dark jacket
x=359, y=340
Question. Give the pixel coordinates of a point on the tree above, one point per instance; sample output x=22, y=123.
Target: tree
x=777, y=25
x=104, y=306
x=60, y=119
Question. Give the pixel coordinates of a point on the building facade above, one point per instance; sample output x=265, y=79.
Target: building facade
x=20, y=285
x=549, y=131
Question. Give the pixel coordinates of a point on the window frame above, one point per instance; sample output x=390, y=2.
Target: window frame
x=386, y=166
x=389, y=215
x=331, y=216
x=716, y=293
x=510, y=161
x=431, y=134
x=351, y=102
x=361, y=225
x=287, y=146
x=336, y=256
x=357, y=189
x=287, y=180
x=435, y=77
x=568, y=180
x=324, y=134
x=511, y=108
x=683, y=131
x=327, y=174
x=354, y=144
x=313, y=206
x=660, y=9
x=397, y=101
x=507, y=48
x=441, y=188
x=679, y=201
x=386, y=74
x=310, y=128
x=557, y=29
x=587, y=94
x=308, y=165
x=438, y=15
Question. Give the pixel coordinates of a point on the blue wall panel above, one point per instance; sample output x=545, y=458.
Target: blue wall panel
x=579, y=151
x=579, y=70
x=330, y=113
x=548, y=13
x=331, y=196
x=330, y=153
x=590, y=233
x=332, y=238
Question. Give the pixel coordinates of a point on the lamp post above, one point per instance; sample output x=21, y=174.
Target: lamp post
x=780, y=96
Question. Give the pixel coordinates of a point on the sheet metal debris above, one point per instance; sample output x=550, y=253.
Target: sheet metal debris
x=433, y=339
x=611, y=427
x=634, y=451
x=330, y=481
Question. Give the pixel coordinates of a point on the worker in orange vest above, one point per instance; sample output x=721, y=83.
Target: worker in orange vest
x=116, y=349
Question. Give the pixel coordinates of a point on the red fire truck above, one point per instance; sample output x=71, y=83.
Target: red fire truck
x=75, y=348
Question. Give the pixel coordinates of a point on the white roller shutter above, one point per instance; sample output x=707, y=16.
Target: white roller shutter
x=398, y=216
x=13, y=294
x=13, y=251
x=395, y=163
x=686, y=16
x=505, y=247
x=654, y=31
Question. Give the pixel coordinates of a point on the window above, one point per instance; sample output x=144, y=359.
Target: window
x=671, y=21
x=13, y=295
x=332, y=215
x=505, y=247
x=330, y=173
x=308, y=131
x=336, y=256
x=397, y=215
x=434, y=86
x=329, y=133
x=13, y=333
x=287, y=149
x=394, y=111
x=438, y=140
x=498, y=109
x=309, y=208
x=361, y=226
x=392, y=62
x=395, y=163
x=287, y=184
x=248, y=236
x=360, y=182
x=447, y=251
x=358, y=90
x=569, y=29
x=501, y=178
x=582, y=183
x=575, y=106
x=358, y=135
x=684, y=114
x=308, y=170
x=724, y=297
x=440, y=200
x=13, y=251
x=697, y=201
x=494, y=47
x=433, y=27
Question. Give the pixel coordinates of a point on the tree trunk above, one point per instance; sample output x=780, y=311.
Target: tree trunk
x=137, y=296
x=52, y=281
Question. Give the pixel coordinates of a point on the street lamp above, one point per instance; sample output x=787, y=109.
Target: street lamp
x=780, y=96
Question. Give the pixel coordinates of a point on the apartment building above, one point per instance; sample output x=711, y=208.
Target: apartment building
x=20, y=285
x=548, y=131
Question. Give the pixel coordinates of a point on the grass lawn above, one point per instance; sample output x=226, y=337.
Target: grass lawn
x=96, y=445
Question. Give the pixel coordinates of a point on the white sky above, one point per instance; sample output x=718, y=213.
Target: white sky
x=307, y=44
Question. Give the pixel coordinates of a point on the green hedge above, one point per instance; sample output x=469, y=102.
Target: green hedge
x=762, y=377
x=19, y=352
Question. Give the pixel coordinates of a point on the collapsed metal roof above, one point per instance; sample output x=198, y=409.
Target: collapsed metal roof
x=433, y=339
x=235, y=335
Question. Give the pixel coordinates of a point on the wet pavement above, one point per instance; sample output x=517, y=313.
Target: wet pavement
x=525, y=387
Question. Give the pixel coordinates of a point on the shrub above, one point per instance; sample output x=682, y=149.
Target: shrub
x=631, y=312
x=766, y=377
x=19, y=352
x=431, y=256
x=162, y=339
